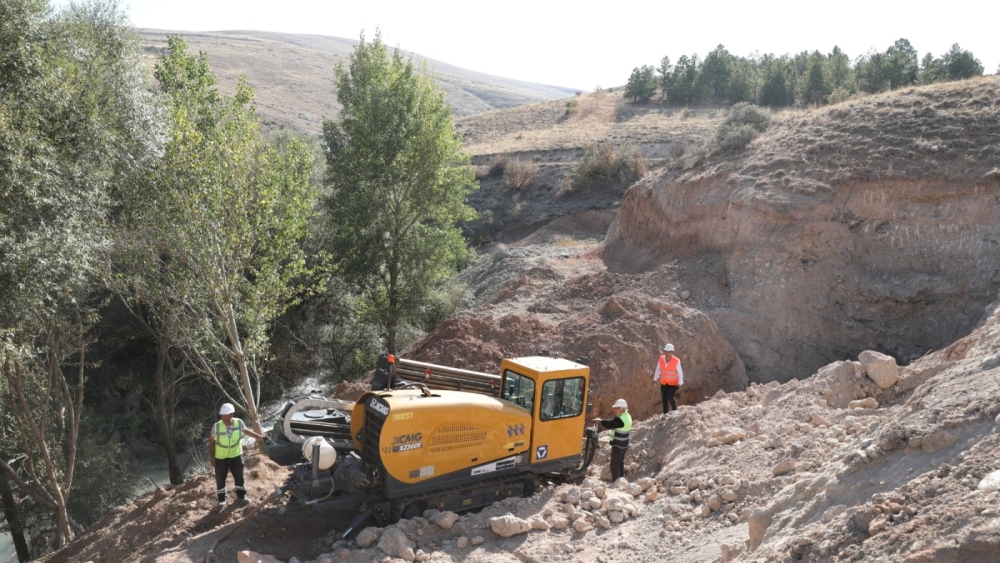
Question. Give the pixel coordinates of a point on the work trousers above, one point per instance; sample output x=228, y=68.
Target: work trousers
x=223, y=467
x=617, y=463
x=667, y=396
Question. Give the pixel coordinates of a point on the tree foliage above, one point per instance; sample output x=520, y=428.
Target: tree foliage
x=397, y=181
x=641, y=84
x=217, y=255
x=76, y=123
x=804, y=78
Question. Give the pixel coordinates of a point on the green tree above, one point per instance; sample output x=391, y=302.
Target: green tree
x=816, y=80
x=397, y=181
x=716, y=71
x=665, y=74
x=840, y=71
x=76, y=121
x=641, y=84
x=778, y=87
x=744, y=80
x=217, y=257
x=685, y=86
x=961, y=64
x=873, y=72
x=902, y=64
x=932, y=70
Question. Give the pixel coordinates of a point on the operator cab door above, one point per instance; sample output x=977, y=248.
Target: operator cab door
x=558, y=428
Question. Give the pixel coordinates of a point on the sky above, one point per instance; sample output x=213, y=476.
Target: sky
x=584, y=45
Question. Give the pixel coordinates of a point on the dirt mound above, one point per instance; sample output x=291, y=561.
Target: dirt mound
x=572, y=308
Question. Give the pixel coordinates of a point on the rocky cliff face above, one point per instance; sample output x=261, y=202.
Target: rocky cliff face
x=812, y=248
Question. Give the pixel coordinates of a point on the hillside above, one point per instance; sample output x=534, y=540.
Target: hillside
x=293, y=75
x=833, y=292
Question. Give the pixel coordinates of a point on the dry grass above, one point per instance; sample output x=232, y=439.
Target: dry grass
x=602, y=117
x=949, y=130
x=519, y=174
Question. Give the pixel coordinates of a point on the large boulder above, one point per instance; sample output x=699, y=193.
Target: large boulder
x=508, y=525
x=395, y=543
x=881, y=369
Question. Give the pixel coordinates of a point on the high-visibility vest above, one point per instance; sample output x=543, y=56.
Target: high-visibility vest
x=619, y=436
x=227, y=447
x=668, y=370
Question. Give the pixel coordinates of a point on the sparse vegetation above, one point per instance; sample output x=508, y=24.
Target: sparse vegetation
x=618, y=167
x=743, y=124
x=519, y=173
x=499, y=165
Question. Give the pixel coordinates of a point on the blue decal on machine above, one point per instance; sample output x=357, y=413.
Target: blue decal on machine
x=541, y=452
x=515, y=430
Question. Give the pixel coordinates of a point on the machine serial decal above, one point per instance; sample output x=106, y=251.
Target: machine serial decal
x=402, y=416
x=378, y=407
x=425, y=471
x=495, y=466
x=406, y=447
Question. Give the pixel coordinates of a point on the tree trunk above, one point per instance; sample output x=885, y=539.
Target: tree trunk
x=13, y=518
x=161, y=411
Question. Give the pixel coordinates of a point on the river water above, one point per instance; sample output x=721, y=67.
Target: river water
x=154, y=469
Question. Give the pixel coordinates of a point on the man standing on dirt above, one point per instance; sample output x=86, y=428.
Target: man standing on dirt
x=620, y=427
x=670, y=376
x=226, y=452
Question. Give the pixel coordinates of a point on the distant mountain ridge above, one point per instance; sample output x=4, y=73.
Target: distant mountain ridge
x=293, y=75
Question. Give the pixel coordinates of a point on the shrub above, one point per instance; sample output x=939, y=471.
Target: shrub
x=605, y=164
x=571, y=107
x=743, y=124
x=519, y=173
x=838, y=95
x=499, y=165
x=745, y=113
x=736, y=137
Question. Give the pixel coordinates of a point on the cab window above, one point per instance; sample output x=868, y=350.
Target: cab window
x=562, y=398
x=518, y=389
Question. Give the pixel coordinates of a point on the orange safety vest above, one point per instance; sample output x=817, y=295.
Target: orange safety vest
x=668, y=371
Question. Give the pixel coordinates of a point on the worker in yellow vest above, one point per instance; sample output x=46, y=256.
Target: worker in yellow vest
x=620, y=427
x=226, y=452
x=670, y=375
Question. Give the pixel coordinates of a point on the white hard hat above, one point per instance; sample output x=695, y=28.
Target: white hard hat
x=227, y=409
x=620, y=403
x=668, y=348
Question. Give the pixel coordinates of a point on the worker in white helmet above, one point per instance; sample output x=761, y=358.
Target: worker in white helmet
x=670, y=375
x=620, y=427
x=225, y=445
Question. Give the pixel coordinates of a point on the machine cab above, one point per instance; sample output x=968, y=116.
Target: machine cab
x=554, y=391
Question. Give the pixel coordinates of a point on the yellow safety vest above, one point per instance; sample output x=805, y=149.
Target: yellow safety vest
x=226, y=447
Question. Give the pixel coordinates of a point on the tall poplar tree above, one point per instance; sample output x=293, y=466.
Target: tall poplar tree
x=397, y=180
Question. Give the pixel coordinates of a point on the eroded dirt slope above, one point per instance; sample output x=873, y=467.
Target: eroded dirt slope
x=869, y=224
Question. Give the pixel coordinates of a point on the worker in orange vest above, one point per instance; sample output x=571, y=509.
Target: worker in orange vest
x=670, y=376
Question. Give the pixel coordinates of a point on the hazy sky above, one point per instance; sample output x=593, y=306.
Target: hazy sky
x=585, y=44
